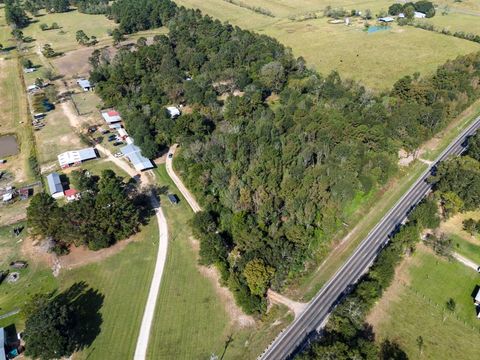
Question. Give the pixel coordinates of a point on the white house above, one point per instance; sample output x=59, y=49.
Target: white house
x=85, y=84
x=419, y=15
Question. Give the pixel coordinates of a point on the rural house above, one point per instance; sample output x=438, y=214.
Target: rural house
x=55, y=185
x=76, y=157
x=72, y=195
x=85, y=84
x=111, y=116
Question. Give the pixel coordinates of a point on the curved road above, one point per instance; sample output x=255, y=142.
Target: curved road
x=318, y=310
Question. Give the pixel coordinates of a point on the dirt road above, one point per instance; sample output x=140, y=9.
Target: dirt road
x=185, y=192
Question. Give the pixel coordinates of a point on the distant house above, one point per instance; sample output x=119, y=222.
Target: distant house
x=111, y=116
x=71, y=194
x=55, y=185
x=76, y=157
x=419, y=15
x=173, y=198
x=173, y=111
x=387, y=19
x=32, y=88
x=84, y=84
x=29, y=70
x=7, y=197
x=134, y=154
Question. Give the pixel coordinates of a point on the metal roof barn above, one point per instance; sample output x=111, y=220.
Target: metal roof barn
x=55, y=185
x=75, y=157
x=135, y=156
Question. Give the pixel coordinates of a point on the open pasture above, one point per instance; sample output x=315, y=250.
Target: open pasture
x=376, y=60
x=414, y=306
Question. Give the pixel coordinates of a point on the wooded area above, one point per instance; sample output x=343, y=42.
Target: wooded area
x=274, y=150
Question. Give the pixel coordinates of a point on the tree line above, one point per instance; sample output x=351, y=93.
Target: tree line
x=275, y=151
x=108, y=210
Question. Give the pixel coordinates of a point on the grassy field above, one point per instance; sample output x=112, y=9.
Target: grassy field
x=123, y=279
x=463, y=243
x=63, y=39
x=376, y=60
x=56, y=137
x=36, y=278
x=415, y=306
x=456, y=22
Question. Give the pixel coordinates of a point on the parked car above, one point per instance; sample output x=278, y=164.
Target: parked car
x=112, y=137
x=118, y=143
x=118, y=154
x=170, y=155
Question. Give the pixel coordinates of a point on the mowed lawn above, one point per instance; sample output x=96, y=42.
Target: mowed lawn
x=463, y=243
x=190, y=320
x=63, y=39
x=418, y=309
x=124, y=280
x=377, y=60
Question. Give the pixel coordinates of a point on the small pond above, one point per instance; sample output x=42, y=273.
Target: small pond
x=374, y=29
x=8, y=146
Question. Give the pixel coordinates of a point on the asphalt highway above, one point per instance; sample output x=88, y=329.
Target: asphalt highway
x=316, y=313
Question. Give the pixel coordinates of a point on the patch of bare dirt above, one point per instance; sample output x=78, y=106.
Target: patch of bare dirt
x=454, y=225
x=236, y=314
x=402, y=279
x=31, y=249
x=80, y=256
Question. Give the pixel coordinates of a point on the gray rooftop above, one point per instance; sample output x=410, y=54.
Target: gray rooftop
x=54, y=183
x=134, y=154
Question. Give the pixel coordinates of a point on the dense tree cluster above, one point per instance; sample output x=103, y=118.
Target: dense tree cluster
x=15, y=15
x=58, y=326
x=422, y=6
x=275, y=151
x=91, y=6
x=137, y=15
x=106, y=213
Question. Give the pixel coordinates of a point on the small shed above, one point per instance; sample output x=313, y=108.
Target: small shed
x=84, y=84
x=477, y=297
x=419, y=15
x=55, y=185
x=173, y=198
x=3, y=342
x=32, y=88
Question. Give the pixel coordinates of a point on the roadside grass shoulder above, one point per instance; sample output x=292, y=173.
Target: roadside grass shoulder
x=419, y=310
